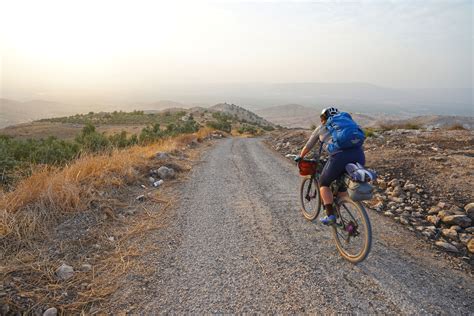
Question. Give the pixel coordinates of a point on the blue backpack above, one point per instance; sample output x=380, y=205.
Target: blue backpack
x=344, y=131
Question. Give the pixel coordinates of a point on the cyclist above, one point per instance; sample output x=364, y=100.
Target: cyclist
x=339, y=156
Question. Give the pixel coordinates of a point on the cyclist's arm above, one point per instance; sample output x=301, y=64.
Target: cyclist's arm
x=311, y=142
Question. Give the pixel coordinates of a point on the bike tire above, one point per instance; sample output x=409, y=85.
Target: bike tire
x=315, y=203
x=367, y=239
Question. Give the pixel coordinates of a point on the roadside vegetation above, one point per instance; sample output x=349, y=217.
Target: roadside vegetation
x=67, y=213
x=119, y=118
x=19, y=157
x=226, y=123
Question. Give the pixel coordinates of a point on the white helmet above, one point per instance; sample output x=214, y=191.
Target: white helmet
x=328, y=112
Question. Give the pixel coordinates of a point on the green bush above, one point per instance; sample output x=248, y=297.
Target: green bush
x=249, y=129
x=369, y=132
x=222, y=125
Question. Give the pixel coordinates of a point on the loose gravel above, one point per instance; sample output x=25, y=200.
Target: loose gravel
x=236, y=242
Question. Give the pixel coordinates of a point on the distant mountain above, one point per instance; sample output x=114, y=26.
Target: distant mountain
x=354, y=96
x=164, y=104
x=296, y=115
x=434, y=121
x=241, y=113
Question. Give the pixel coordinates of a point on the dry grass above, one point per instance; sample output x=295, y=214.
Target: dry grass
x=409, y=125
x=456, y=127
x=51, y=192
x=41, y=202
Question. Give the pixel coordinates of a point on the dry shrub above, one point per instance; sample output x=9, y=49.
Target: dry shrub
x=456, y=127
x=41, y=199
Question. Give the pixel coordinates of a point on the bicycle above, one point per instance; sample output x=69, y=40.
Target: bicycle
x=353, y=236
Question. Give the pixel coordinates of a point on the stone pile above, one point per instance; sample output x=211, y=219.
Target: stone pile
x=451, y=226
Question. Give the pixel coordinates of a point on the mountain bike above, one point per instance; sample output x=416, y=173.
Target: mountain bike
x=352, y=231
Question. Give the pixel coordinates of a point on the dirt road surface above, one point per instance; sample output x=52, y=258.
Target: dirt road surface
x=236, y=242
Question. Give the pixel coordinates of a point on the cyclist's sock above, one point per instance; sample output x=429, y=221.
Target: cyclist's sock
x=329, y=209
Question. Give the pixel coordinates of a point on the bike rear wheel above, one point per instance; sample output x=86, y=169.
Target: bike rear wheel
x=310, y=198
x=352, y=231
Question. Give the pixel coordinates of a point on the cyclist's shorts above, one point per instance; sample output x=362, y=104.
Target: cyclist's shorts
x=336, y=165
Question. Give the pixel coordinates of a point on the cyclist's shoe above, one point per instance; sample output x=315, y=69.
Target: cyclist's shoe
x=328, y=220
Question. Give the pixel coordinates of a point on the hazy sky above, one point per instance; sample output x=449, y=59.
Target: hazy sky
x=54, y=47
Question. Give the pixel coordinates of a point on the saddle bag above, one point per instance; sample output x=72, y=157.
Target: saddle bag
x=358, y=186
x=360, y=191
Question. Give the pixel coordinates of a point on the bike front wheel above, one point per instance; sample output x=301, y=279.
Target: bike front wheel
x=352, y=231
x=310, y=198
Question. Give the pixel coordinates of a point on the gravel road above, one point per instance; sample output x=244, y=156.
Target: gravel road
x=236, y=242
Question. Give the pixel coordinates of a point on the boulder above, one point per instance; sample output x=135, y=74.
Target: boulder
x=166, y=173
x=446, y=246
x=65, y=272
x=469, y=208
x=460, y=220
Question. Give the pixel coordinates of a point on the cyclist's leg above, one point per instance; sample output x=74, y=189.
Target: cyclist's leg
x=332, y=170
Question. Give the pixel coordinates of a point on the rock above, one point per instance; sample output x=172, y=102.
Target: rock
x=429, y=231
x=434, y=210
x=51, y=312
x=140, y=198
x=166, y=173
x=456, y=228
x=396, y=199
x=162, y=155
x=464, y=238
x=469, y=208
x=438, y=158
x=151, y=179
x=446, y=246
x=409, y=187
x=444, y=213
x=450, y=233
x=394, y=183
x=470, y=245
x=86, y=267
x=408, y=208
x=65, y=272
x=441, y=205
x=461, y=220
x=397, y=191
x=382, y=184
x=111, y=238
x=158, y=183
x=388, y=213
x=417, y=214
x=404, y=220
x=469, y=229
x=433, y=219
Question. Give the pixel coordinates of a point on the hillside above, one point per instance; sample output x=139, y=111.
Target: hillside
x=240, y=113
x=296, y=115
x=434, y=121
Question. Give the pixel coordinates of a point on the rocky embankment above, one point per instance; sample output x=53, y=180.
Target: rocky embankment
x=425, y=181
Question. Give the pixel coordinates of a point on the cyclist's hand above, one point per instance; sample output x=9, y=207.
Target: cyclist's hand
x=298, y=158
